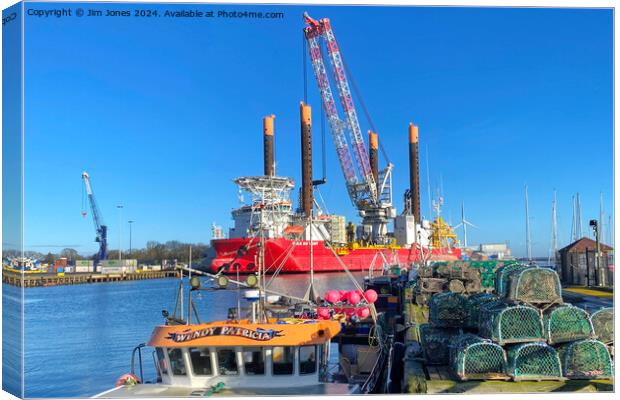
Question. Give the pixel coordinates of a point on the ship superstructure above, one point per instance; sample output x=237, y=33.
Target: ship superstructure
x=296, y=236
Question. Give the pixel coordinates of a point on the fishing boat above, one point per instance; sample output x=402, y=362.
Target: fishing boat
x=282, y=346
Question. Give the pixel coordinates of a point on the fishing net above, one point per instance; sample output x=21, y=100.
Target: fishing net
x=472, y=357
x=533, y=361
x=566, y=323
x=501, y=278
x=586, y=359
x=448, y=310
x=534, y=285
x=474, y=303
x=603, y=323
x=436, y=343
x=509, y=323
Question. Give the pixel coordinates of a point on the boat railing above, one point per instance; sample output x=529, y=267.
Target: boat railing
x=137, y=349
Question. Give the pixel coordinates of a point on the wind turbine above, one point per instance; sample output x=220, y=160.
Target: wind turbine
x=464, y=224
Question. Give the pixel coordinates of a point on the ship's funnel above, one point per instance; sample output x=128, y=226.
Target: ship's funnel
x=307, y=197
x=373, y=156
x=268, y=149
x=414, y=171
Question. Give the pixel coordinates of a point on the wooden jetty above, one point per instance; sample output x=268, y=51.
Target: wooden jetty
x=28, y=280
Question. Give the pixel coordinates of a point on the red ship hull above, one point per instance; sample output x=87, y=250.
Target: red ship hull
x=277, y=257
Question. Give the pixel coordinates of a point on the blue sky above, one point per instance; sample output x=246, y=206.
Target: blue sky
x=164, y=113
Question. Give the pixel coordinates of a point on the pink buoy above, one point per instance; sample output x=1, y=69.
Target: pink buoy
x=333, y=296
x=354, y=298
x=363, y=312
x=323, y=312
x=343, y=295
x=371, y=296
x=349, y=311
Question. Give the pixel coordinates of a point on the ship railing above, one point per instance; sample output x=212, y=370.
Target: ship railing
x=137, y=349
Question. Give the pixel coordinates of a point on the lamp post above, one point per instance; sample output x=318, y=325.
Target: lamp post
x=120, y=231
x=600, y=273
x=130, y=223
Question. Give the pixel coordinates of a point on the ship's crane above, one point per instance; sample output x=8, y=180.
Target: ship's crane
x=101, y=230
x=372, y=200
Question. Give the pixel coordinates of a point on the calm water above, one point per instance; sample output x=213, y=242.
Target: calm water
x=78, y=339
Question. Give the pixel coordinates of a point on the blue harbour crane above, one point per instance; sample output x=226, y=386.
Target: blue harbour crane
x=101, y=230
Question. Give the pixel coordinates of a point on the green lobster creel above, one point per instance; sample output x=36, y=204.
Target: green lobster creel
x=536, y=286
x=603, y=323
x=501, y=278
x=475, y=358
x=586, y=359
x=567, y=323
x=510, y=323
x=448, y=310
x=436, y=343
x=533, y=361
x=474, y=303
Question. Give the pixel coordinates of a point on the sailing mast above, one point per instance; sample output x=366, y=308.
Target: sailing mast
x=573, y=227
x=528, y=242
x=553, y=251
x=579, y=231
x=601, y=218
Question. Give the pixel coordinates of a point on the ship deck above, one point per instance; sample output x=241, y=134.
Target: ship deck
x=159, y=390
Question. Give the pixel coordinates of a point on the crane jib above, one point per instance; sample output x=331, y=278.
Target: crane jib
x=100, y=229
x=366, y=191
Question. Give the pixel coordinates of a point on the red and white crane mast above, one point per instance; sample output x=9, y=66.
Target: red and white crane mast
x=373, y=201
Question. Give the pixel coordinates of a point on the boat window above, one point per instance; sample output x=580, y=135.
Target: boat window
x=161, y=360
x=201, y=360
x=307, y=360
x=254, y=361
x=282, y=359
x=177, y=366
x=227, y=361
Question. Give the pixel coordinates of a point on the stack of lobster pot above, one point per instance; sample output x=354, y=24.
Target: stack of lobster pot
x=462, y=277
x=522, y=331
x=555, y=340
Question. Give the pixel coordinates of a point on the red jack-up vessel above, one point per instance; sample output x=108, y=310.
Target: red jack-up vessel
x=294, y=237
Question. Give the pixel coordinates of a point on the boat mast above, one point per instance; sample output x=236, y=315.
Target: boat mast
x=554, y=230
x=573, y=227
x=578, y=217
x=261, y=267
x=528, y=241
x=601, y=218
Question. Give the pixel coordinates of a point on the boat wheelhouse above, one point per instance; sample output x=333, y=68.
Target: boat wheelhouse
x=281, y=356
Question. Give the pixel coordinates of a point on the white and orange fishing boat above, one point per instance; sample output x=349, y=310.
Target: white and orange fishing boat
x=261, y=354
x=238, y=358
